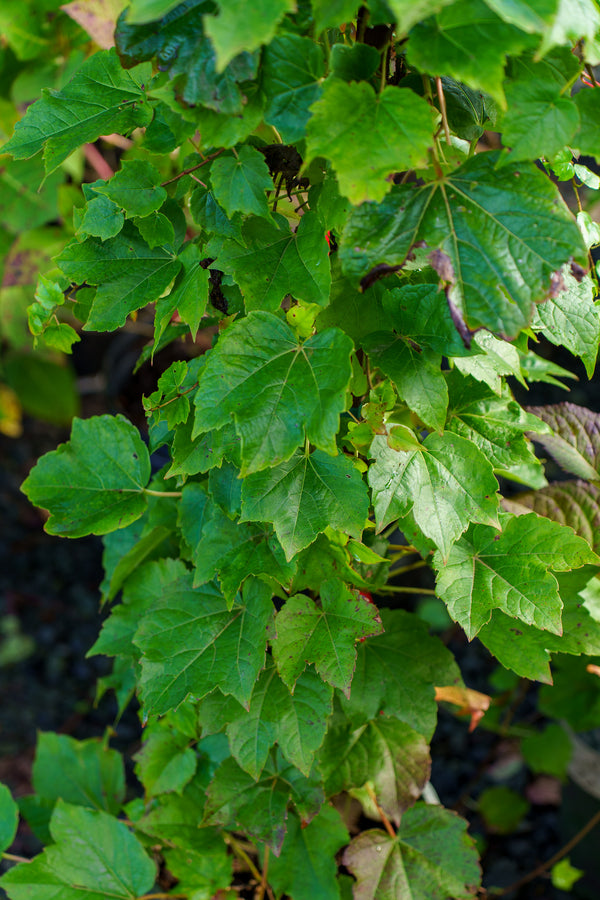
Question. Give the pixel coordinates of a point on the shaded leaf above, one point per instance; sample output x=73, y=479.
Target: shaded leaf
x=84, y=773
x=238, y=27
x=540, y=120
x=165, y=762
x=239, y=182
x=291, y=74
x=575, y=441
x=135, y=188
x=572, y=503
x=9, y=818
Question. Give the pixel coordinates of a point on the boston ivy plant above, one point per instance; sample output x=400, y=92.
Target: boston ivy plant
x=357, y=209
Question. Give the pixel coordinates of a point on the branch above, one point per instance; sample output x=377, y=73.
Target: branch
x=192, y=168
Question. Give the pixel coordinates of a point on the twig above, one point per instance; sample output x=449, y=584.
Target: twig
x=384, y=819
x=553, y=859
x=13, y=858
x=162, y=493
x=402, y=589
x=442, y=99
x=192, y=168
x=260, y=893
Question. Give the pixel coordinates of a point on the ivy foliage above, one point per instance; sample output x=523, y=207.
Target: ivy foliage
x=357, y=210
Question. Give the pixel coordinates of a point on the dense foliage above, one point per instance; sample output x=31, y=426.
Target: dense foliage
x=357, y=210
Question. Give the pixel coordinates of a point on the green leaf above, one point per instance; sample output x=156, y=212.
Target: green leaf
x=94, y=856
x=189, y=296
x=129, y=273
x=45, y=388
x=329, y=13
x=239, y=182
x=271, y=261
x=23, y=203
x=385, y=753
x=280, y=392
x=156, y=230
x=368, y=136
x=304, y=496
x=575, y=441
x=574, y=696
x=94, y=483
x=494, y=256
x=135, y=188
x=306, y=867
x=85, y=773
x=149, y=10
x=356, y=313
x=548, y=751
x=587, y=139
x=416, y=373
x=496, y=425
x=166, y=762
x=297, y=722
x=102, y=218
x=564, y=875
x=467, y=41
x=445, y=484
x=528, y=15
x=494, y=359
x=572, y=319
x=291, y=80
x=259, y=807
x=540, y=121
x=486, y=570
x=502, y=809
x=395, y=674
x=189, y=646
x=432, y=858
x=9, y=818
x=324, y=635
x=408, y=12
x=201, y=873
x=192, y=456
x=99, y=99
x=238, y=27
x=468, y=111
x=572, y=22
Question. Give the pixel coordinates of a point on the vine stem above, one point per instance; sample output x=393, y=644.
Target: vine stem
x=241, y=854
x=260, y=893
x=162, y=493
x=442, y=99
x=384, y=819
x=192, y=168
x=553, y=859
x=13, y=858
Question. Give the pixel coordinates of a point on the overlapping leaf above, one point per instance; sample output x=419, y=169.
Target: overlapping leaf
x=84, y=773
x=291, y=74
x=129, y=273
x=304, y=496
x=445, y=483
x=197, y=643
x=572, y=503
x=540, y=121
x=510, y=571
x=94, y=856
x=575, y=439
x=239, y=182
x=279, y=391
x=324, y=635
x=135, y=188
x=95, y=482
x=9, y=818
x=368, y=136
x=239, y=27
x=502, y=234
x=395, y=674
x=431, y=858
x=271, y=261
x=99, y=99
x=387, y=753
x=166, y=762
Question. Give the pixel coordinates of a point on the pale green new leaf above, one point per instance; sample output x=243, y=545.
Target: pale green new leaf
x=432, y=858
x=324, y=635
x=271, y=261
x=102, y=218
x=9, y=818
x=572, y=319
x=529, y=15
x=136, y=188
x=305, y=495
x=130, y=274
x=197, y=643
x=502, y=236
x=240, y=27
x=278, y=390
x=575, y=441
x=94, y=856
x=368, y=136
x=94, y=483
x=297, y=722
x=306, y=868
x=291, y=80
x=510, y=571
x=445, y=484
x=100, y=99
x=384, y=752
x=239, y=182
x=574, y=20
x=409, y=12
